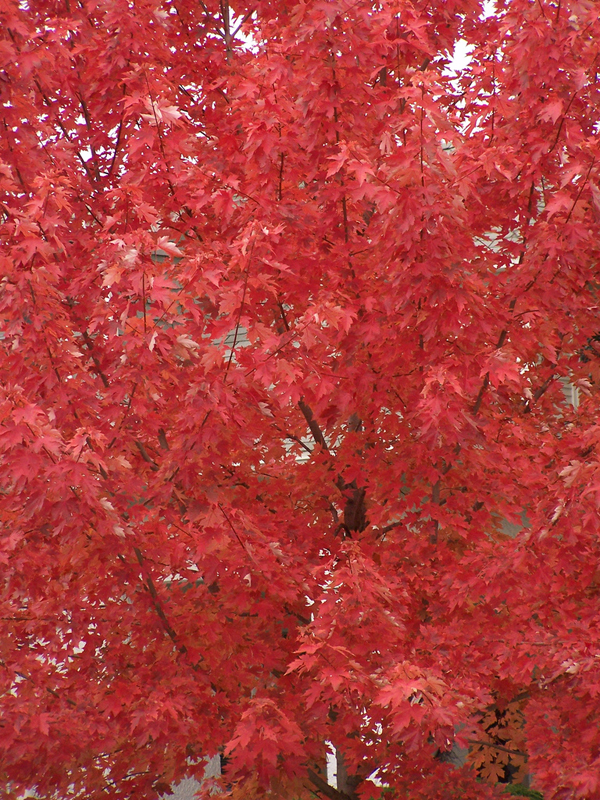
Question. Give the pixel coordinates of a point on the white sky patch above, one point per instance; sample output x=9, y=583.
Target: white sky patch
x=461, y=57
x=489, y=9
x=248, y=42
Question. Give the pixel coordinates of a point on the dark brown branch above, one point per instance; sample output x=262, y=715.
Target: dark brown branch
x=504, y=332
x=53, y=692
x=235, y=533
x=65, y=133
x=161, y=143
x=226, y=28
x=145, y=456
x=324, y=788
x=312, y=424
x=543, y=388
x=88, y=123
x=241, y=311
x=61, y=697
x=149, y=583
x=580, y=192
x=245, y=18
x=116, y=149
x=283, y=317
x=300, y=617
x=90, y=346
x=355, y=507
x=299, y=441
x=498, y=747
x=484, y=385
x=563, y=117
x=391, y=527
x=162, y=439
x=355, y=510
x=435, y=498
x=280, y=186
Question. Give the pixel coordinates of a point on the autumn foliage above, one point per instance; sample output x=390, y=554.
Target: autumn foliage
x=289, y=302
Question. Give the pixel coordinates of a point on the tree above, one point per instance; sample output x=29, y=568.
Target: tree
x=287, y=306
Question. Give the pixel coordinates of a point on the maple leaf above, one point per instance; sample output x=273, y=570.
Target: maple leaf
x=551, y=111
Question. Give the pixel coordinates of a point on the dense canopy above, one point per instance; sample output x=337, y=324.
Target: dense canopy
x=290, y=299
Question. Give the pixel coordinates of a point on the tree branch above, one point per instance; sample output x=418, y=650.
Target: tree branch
x=170, y=631
x=498, y=747
x=312, y=424
x=324, y=788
